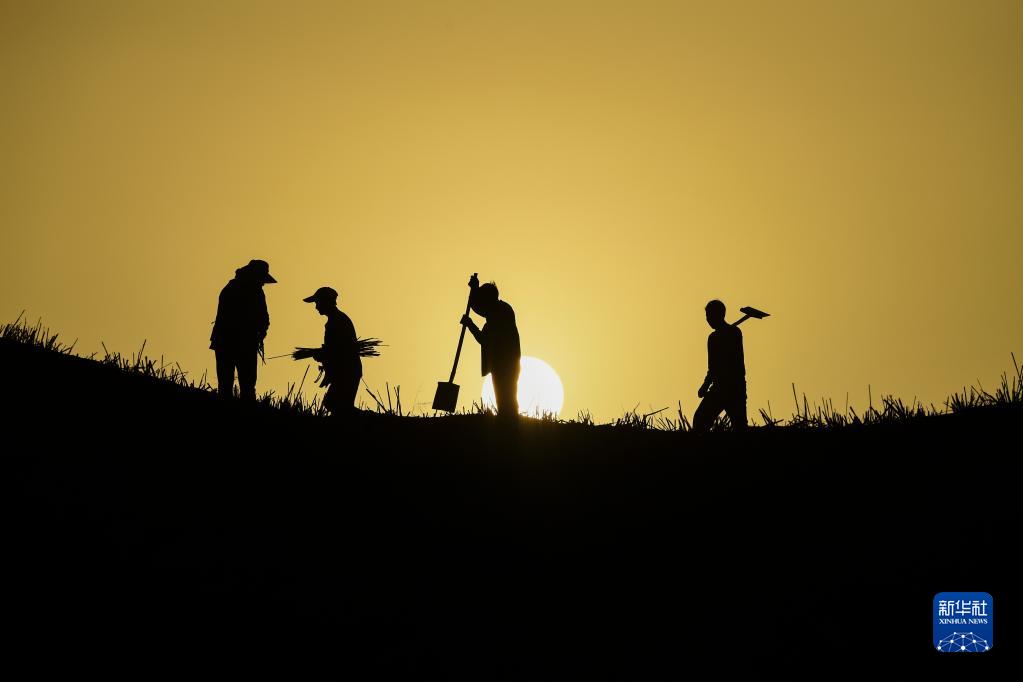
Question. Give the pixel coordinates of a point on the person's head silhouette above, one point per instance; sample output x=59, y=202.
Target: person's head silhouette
x=325, y=299
x=256, y=272
x=716, y=314
x=484, y=298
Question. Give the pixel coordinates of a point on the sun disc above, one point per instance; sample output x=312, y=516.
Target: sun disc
x=539, y=392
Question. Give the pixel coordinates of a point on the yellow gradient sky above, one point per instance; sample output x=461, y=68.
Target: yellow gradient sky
x=854, y=168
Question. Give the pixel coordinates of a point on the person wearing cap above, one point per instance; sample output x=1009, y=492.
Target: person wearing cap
x=500, y=351
x=241, y=325
x=338, y=357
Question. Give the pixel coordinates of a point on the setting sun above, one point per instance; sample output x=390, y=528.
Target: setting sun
x=540, y=390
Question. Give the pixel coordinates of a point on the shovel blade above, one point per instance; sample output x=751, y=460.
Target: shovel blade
x=754, y=313
x=446, y=397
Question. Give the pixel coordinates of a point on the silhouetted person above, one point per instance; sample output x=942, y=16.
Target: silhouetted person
x=725, y=385
x=499, y=343
x=339, y=356
x=241, y=325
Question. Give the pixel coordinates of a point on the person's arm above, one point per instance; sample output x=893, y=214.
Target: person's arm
x=708, y=381
x=474, y=284
x=264, y=315
x=217, y=321
x=476, y=332
x=320, y=354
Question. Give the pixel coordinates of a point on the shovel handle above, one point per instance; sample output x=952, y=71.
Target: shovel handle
x=740, y=320
x=461, y=338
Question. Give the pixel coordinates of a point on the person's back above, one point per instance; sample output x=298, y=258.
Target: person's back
x=726, y=365
x=339, y=344
x=500, y=347
x=242, y=317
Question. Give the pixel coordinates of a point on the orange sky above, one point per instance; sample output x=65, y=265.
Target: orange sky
x=853, y=168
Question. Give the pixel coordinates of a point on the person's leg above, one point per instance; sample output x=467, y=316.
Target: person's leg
x=225, y=373
x=736, y=411
x=352, y=392
x=506, y=389
x=330, y=399
x=341, y=394
x=707, y=412
x=246, y=360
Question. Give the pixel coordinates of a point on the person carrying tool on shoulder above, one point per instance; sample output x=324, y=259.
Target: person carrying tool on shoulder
x=338, y=356
x=724, y=388
x=500, y=351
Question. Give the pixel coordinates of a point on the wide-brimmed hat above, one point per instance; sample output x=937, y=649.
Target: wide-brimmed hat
x=258, y=270
x=325, y=294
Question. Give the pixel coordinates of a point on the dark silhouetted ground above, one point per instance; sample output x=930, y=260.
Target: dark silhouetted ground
x=155, y=531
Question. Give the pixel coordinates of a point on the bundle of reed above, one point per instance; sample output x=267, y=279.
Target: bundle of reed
x=367, y=348
x=303, y=353
x=364, y=348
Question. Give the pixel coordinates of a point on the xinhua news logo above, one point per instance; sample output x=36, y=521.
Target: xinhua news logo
x=963, y=622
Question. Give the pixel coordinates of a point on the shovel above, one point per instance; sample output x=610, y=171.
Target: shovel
x=748, y=313
x=446, y=397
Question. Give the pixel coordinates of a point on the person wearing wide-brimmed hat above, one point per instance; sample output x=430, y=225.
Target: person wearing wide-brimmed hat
x=338, y=356
x=241, y=325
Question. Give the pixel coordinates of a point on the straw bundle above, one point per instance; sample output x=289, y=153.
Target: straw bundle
x=367, y=348
x=303, y=353
x=364, y=348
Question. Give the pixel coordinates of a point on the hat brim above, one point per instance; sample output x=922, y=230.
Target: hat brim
x=310, y=299
x=254, y=273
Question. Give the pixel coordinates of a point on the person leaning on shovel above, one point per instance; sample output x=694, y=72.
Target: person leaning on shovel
x=339, y=356
x=500, y=351
x=241, y=325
